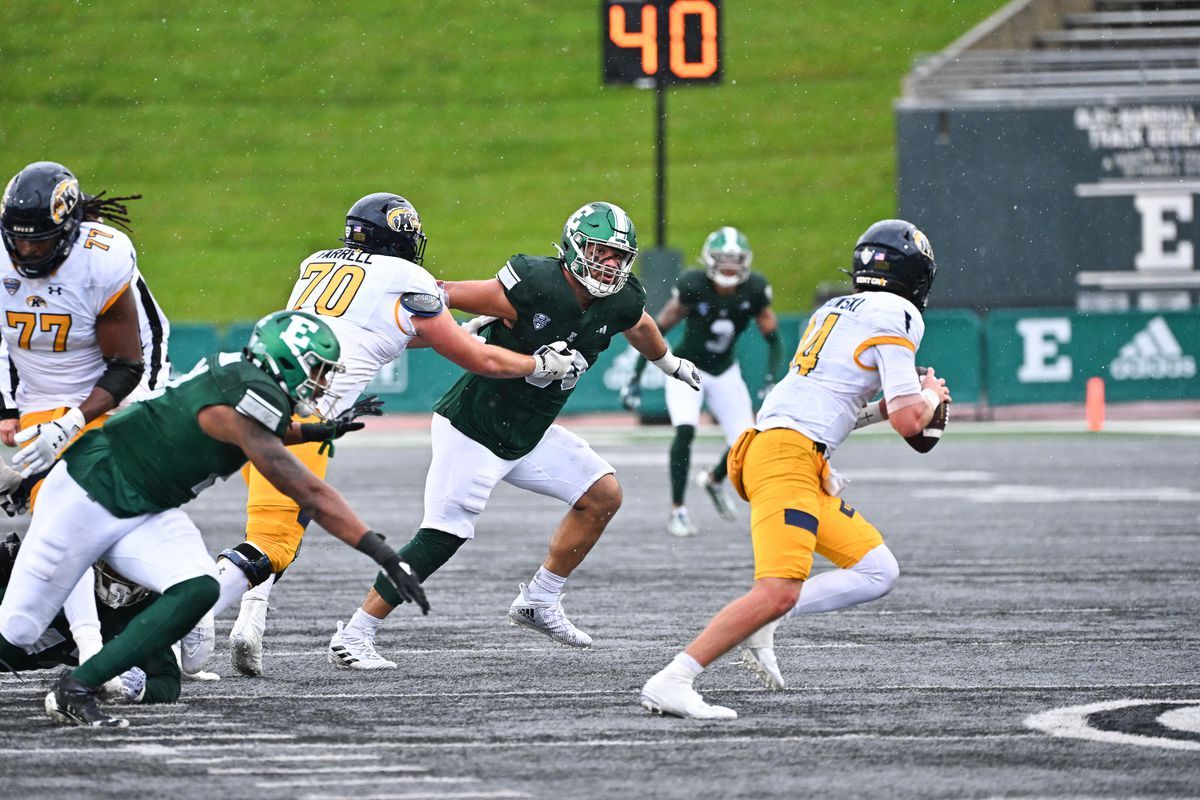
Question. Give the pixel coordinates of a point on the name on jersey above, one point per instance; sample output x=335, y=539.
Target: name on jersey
x=348, y=254
x=846, y=303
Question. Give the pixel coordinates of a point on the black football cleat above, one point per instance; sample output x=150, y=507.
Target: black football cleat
x=71, y=702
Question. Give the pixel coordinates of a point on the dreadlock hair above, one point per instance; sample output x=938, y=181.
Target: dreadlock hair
x=109, y=210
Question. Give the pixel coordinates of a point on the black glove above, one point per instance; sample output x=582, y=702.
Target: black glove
x=343, y=423
x=398, y=572
x=631, y=395
x=406, y=583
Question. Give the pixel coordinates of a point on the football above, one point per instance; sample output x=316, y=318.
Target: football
x=925, y=441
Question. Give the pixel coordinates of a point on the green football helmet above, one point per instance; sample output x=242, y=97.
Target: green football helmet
x=595, y=226
x=300, y=352
x=726, y=257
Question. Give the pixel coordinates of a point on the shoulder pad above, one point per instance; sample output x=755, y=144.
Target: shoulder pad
x=421, y=303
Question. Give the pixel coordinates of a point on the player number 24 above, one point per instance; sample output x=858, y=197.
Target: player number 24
x=338, y=286
x=809, y=351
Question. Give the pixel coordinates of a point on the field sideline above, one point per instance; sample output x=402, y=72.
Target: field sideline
x=1048, y=583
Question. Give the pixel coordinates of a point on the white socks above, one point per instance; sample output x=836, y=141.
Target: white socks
x=364, y=624
x=546, y=585
x=869, y=579
x=260, y=592
x=685, y=668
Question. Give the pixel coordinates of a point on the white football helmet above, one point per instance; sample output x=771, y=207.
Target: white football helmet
x=726, y=257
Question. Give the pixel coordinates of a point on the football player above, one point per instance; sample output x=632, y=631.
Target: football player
x=81, y=329
x=153, y=680
x=487, y=430
x=374, y=293
x=853, y=346
x=715, y=305
x=115, y=495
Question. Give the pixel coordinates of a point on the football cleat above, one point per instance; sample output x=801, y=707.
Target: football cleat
x=673, y=696
x=680, y=524
x=197, y=645
x=546, y=617
x=349, y=650
x=246, y=638
x=71, y=702
x=720, y=497
x=758, y=656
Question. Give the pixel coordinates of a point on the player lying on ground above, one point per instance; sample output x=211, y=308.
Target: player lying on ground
x=853, y=346
x=489, y=430
x=115, y=495
x=374, y=294
x=153, y=680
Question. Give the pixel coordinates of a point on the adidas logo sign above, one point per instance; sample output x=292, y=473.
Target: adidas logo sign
x=1154, y=353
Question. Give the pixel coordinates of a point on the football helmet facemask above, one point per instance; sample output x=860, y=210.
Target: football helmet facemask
x=387, y=224
x=586, y=237
x=895, y=256
x=300, y=352
x=114, y=589
x=726, y=257
x=42, y=204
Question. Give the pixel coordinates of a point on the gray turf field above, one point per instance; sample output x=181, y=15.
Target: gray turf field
x=1047, y=580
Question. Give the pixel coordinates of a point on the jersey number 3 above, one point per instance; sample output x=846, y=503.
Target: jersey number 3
x=809, y=351
x=338, y=287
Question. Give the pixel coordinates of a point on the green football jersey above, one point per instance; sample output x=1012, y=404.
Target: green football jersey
x=509, y=416
x=153, y=456
x=715, y=321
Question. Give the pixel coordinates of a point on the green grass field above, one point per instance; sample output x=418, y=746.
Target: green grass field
x=251, y=130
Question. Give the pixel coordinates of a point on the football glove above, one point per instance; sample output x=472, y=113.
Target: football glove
x=346, y=422
x=631, y=395
x=399, y=572
x=52, y=438
x=679, y=368
x=132, y=686
x=474, y=325
x=553, y=362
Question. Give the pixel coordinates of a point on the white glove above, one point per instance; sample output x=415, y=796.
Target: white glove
x=132, y=686
x=52, y=438
x=834, y=483
x=476, y=324
x=552, y=362
x=679, y=368
x=9, y=478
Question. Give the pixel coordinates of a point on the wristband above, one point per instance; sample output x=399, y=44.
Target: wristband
x=668, y=364
x=374, y=546
x=931, y=399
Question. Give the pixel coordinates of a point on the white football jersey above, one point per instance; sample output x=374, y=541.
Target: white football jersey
x=49, y=324
x=358, y=294
x=853, y=346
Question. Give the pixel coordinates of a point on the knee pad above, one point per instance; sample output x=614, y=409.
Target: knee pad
x=250, y=560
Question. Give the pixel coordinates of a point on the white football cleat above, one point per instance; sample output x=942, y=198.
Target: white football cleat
x=246, y=638
x=758, y=656
x=546, y=617
x=197, y=645
x=673, y=696
x=717, y=493
x=349, y=650
x=680, y=524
